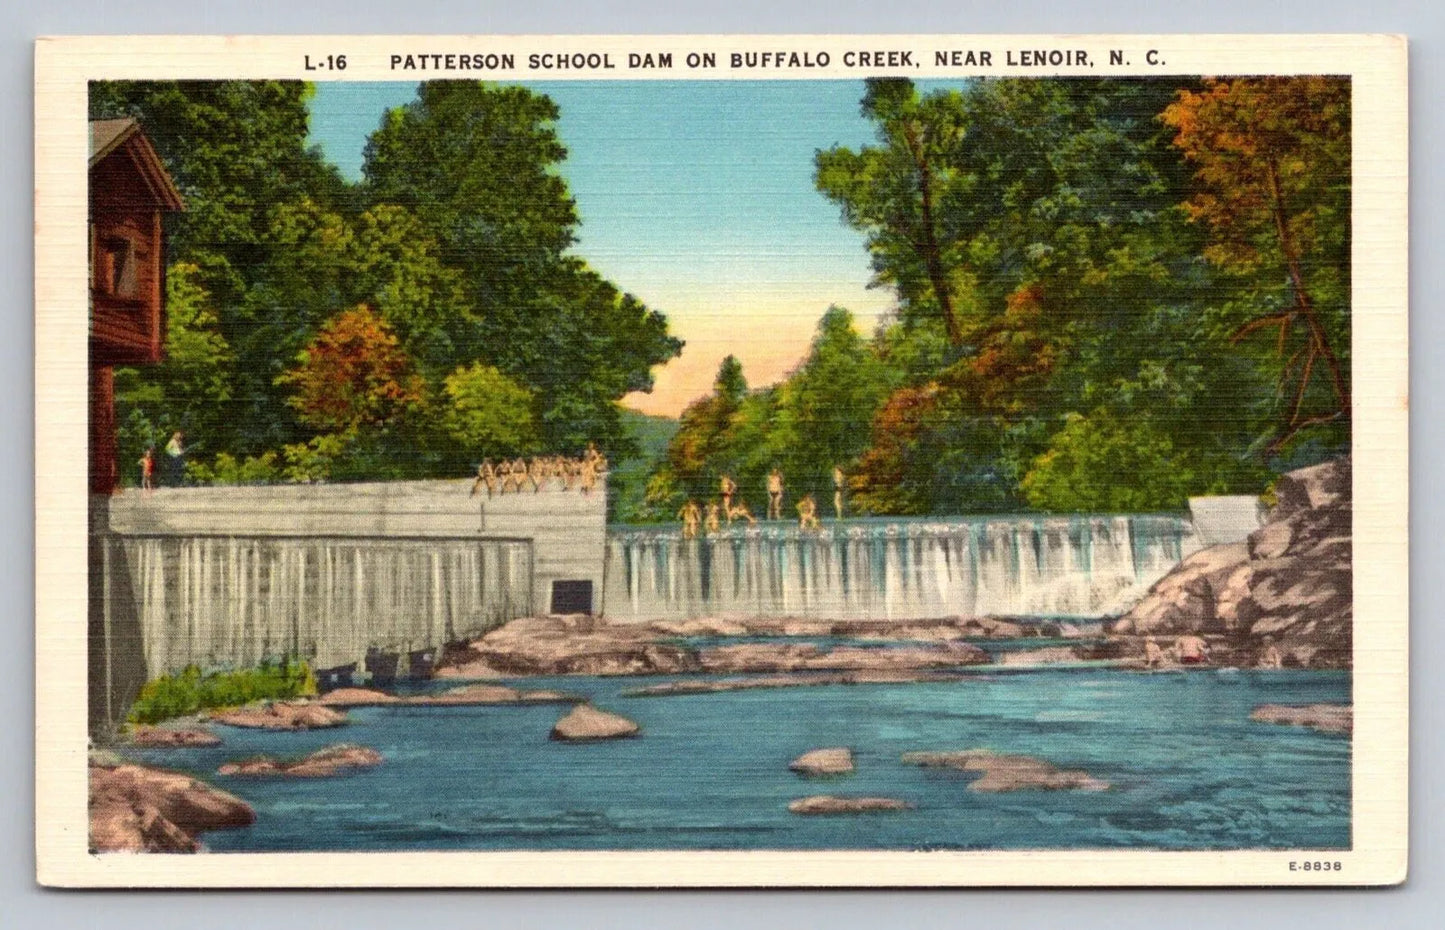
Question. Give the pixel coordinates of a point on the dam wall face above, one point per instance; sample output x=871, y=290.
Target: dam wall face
x=229, y=576
x=894, y=569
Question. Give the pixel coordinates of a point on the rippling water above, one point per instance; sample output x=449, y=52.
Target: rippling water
x=1189, y=769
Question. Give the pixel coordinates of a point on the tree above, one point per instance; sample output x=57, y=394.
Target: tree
x=824, y=407
x=1085, y=462
x=189, y=390
x=901, y=193
x=1273, y=157
x=477, y=165
x=487, y=413
x=353, y=375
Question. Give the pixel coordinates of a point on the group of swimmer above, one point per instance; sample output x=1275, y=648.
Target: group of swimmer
x=1191, y=649
x=536, y=473
x=729, y=507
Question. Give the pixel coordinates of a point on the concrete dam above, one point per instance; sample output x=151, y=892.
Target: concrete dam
x=334, y=574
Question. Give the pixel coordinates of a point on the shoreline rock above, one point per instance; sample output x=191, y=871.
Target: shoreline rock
x=579, y=645
x=817, y=763
x=323, y=763
x=832, y=804
x=1287, y=587
x=585, y=723
x=134, y=808
x=282, y=715
x=1007, y=772
x=1327, y=718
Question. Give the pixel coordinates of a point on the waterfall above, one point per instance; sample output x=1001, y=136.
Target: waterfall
x=906, y=569
x=233, y=601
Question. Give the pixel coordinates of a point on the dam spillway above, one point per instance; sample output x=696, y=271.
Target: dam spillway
x=889, y=569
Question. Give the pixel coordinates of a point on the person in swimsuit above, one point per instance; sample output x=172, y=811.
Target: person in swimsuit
x=775, y=494
x=1191, y=649
x=690, y=515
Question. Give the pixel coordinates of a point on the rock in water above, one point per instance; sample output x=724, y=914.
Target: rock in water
x=138, y=809
x=166, y=738
x=357, y=697
x=1006, y=772
x=833, y=761
x=1327, y=718
x=586, y=722
x=333, y=760
x=831, y=804
x=492, y=694
x=282, y=716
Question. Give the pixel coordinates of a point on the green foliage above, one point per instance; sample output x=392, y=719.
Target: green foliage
x=225, y=468
x=628, y=480
x=476, y=164
x=488, y=413
x=1101, y=465
x=454, y=242
x=192, y=690
x=190, y=388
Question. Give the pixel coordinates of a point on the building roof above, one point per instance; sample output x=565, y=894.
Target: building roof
x=110, y=136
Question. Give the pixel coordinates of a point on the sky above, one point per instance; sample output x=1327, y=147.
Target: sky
x=698, y=198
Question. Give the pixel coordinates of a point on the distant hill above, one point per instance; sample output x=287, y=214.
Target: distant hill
x=627, y=482
x=653, y=433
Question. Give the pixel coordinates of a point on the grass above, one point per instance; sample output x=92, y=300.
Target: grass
x=191, y=690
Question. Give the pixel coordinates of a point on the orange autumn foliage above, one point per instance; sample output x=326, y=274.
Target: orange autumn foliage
x=353, y=374
x=1014, y=358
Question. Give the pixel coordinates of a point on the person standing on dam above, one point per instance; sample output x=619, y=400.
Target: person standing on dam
x=838, y=483
x=775, y=494
x=176, y=459
x=690, y=515
x=728, y=487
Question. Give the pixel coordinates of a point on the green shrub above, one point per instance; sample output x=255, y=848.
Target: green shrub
x=191, y=690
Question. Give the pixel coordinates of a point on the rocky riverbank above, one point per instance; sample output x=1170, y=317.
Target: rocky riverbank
x=134, y=808
x=577, y=645
x=1287, y=590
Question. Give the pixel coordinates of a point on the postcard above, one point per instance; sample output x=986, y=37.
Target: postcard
x=583, y=461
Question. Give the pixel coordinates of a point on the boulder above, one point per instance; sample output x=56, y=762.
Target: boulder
x=1291, y=581
x=586, y=722
x=333, y=760
x=830, y=804
x=1183, y=600
x=569, y=646
x=1327, y=718
x=134, y=808
x=357, y=697
x=281, y=715
x=1320, y=486
x=1007, y=772
x=167, y=738
x=821, y=762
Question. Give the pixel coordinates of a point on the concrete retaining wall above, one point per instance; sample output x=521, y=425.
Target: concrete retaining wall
x=567, y=529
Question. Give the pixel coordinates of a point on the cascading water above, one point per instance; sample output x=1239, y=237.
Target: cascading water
x=234, y=601
x=1079, y=566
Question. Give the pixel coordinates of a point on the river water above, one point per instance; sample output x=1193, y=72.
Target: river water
x=1189, y=770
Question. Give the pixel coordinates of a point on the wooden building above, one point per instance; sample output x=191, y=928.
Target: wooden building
x=129, y=192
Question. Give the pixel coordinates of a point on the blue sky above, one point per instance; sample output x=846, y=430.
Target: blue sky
x=697, y=197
